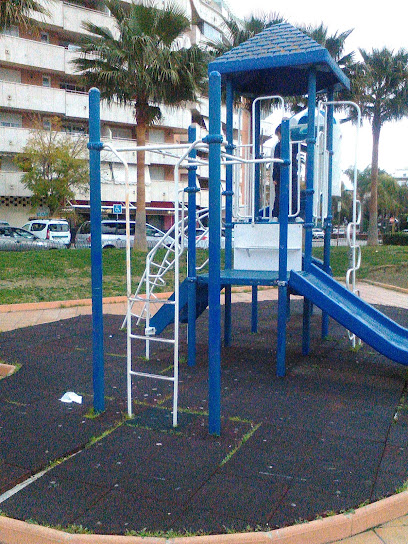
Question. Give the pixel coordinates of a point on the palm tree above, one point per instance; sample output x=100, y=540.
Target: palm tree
x=141, y=64
x=19, y=13
x=379, y=84
x=334, y=43
x=237, y=32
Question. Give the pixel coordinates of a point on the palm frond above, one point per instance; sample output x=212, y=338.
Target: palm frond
x=20, y=13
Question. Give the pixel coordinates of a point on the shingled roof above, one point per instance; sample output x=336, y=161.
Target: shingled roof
x=276, y=61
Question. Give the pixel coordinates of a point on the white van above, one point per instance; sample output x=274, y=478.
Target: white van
x=114, y=234
x=56, y=230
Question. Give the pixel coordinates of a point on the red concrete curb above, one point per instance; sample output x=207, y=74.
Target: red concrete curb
x=321, y=531
x=6, y=370
x=59, y=304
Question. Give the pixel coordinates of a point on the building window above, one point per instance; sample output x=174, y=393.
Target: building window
x=45, y=37
x=73, y=128
x=122, y=133
x=14, y=120
x=13, y=76
x=47, y=125
x=11, y=31
x=46, y=81
x=210, y=32
x=156, y=173
x=156, y=137
x=72, y=87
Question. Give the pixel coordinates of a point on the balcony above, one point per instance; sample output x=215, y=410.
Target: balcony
x=10, y=184
x=208, y=14
x=70, y=17
x=18, y=96
x=13, y=140
x=23, y=53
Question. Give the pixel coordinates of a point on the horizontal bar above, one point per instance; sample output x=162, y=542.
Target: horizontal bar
x=156, y=376
x=152, y=339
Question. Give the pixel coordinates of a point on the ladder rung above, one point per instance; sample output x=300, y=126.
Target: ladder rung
x=156, y=376
x=151, y=338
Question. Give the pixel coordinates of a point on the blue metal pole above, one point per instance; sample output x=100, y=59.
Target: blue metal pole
x=228, y=193
x=257, y=149
x=214, y=140
x=254, y=311
x=283, y=250
x=192, y=276
x=95, y=145
x=328, y=219
x=257, y=200
x=311, y=140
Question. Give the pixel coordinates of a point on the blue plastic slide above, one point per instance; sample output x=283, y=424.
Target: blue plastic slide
x=367, y=323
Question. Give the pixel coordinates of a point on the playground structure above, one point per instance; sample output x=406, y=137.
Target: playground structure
x=259, y=250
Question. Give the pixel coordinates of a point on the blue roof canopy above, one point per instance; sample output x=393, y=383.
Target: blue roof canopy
x=277, y=61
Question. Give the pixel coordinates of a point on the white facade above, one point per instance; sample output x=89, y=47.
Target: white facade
x=37, y=81
x=401, y=175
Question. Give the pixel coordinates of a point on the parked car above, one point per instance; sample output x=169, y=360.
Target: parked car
x=114, y=234
x=339, y=231
x=317, y=234
x=50, y=229
x=16, y=239
x=203, y=238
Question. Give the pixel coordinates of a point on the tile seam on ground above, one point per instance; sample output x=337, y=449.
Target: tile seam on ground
x=322, y=531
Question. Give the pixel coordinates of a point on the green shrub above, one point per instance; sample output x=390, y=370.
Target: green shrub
x=398, y=239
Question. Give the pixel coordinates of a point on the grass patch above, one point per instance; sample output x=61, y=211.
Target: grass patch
x=66, y=274
x=386, y=264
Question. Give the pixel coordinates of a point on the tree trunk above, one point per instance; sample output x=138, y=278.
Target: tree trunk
x=140, y=225
x=372, y=239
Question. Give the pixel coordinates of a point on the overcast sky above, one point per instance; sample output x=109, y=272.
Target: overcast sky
x=374, y=26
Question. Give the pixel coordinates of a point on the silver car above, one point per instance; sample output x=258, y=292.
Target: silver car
x=114, y=234
x=16, y=239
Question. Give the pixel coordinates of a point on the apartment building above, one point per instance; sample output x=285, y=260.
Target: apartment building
x=38, y=82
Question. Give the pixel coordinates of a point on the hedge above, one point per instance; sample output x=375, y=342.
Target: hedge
x=398, y=239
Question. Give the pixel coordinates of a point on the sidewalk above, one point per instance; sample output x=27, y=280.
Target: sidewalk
x=16, y=316
x=233, y=472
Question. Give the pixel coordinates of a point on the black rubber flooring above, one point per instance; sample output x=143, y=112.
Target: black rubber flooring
x=329, y=436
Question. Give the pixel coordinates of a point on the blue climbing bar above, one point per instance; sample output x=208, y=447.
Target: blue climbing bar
x=328, y=219
x=95, y=146
x=228, y=193
x=283, y=250
x=192, y=257
x=311, y=141
x=214, y=140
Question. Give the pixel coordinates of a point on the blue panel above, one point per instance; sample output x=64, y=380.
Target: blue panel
x=165, y=315
x=367, y=323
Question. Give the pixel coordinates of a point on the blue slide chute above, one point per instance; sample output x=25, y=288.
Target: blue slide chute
x=367, y=323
